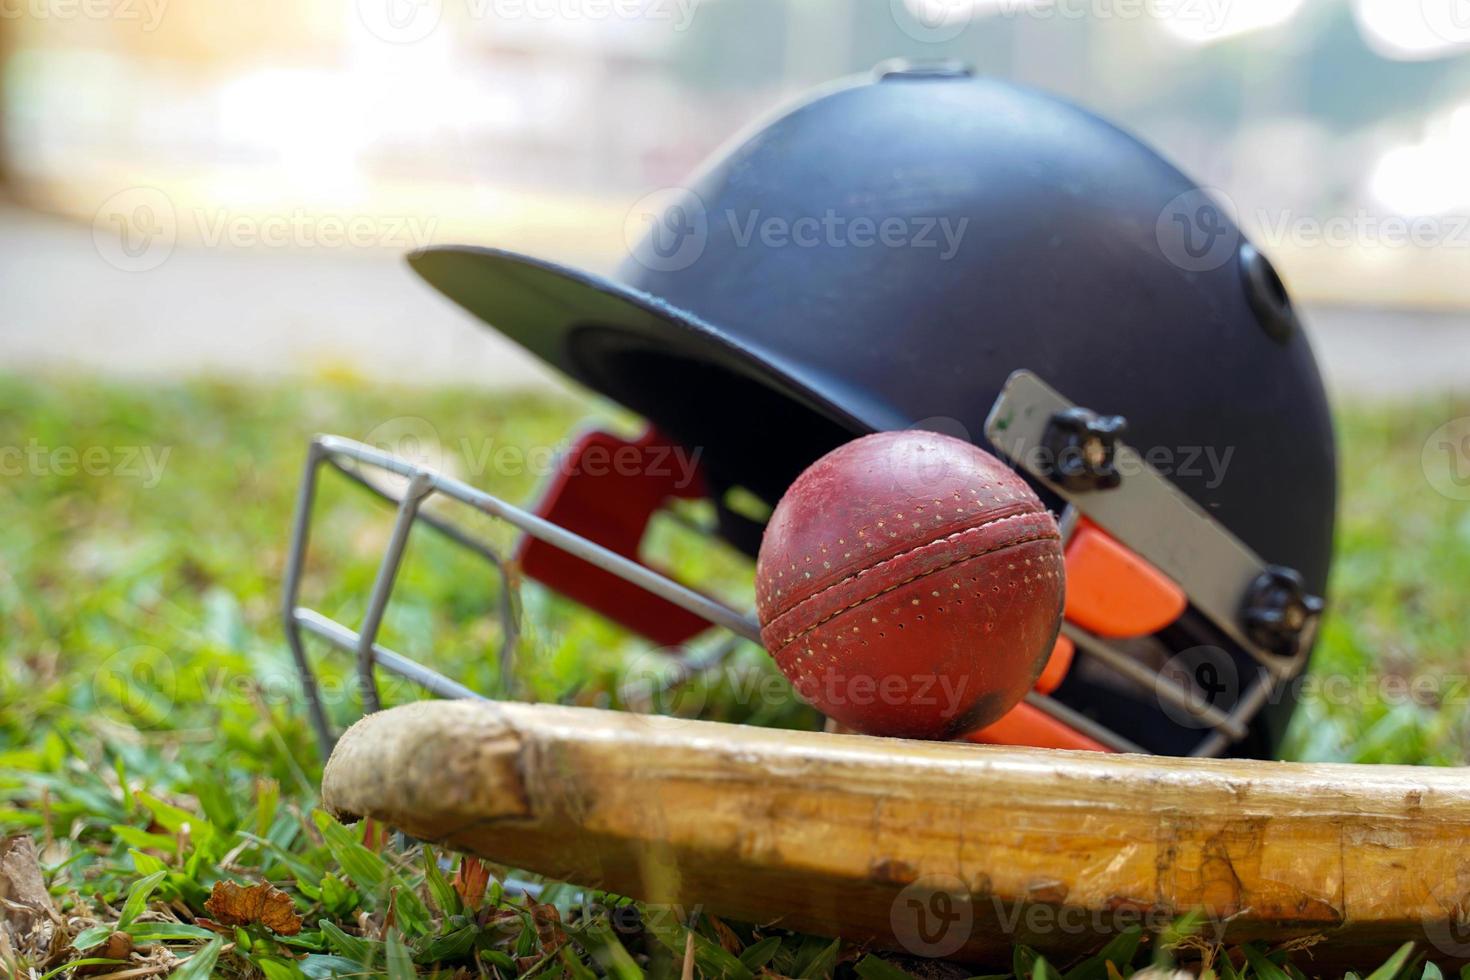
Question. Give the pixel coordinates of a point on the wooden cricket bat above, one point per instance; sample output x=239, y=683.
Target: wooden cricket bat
x=943, y=849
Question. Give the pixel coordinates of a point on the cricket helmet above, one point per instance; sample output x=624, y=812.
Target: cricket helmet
x=887, y=253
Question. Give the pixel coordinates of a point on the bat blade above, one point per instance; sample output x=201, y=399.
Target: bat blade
x=937, y=849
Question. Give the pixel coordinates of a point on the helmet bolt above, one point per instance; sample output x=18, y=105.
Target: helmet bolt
x=1278, y=611
x=1080, y=447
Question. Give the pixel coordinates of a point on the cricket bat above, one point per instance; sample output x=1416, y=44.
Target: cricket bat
x=939, y=849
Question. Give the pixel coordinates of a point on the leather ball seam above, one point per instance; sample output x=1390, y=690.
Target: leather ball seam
x=913, y=578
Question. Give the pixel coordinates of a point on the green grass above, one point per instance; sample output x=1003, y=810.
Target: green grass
x=150, y=727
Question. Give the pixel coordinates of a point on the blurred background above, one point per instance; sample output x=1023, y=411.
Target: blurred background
x=227, y=188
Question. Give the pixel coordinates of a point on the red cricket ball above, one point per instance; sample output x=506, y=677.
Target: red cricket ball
x=910, y=584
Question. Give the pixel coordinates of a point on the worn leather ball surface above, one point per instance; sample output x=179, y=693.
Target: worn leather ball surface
x=910, y=584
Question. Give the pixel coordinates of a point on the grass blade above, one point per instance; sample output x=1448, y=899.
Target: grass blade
x=138, y=897
x=200, y=966
x=1394, y=964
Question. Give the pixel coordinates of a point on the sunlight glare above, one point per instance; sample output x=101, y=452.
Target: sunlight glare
x=1428, y=177
x=1209, y=21
x=1414, y=30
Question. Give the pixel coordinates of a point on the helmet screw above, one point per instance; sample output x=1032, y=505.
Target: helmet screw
x=1080, y=447
x=1278, y=611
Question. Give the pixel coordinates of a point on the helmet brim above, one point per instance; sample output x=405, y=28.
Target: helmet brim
x=578, y=323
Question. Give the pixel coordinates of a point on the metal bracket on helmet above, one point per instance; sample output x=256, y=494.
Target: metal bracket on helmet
x=1261, y=608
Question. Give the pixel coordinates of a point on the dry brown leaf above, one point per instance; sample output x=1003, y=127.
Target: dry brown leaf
x=119, y=946
x=471, y=880
x=236, y=905
x=547, y=921
x=728, y=939
x=27, y=914
x=213, y=926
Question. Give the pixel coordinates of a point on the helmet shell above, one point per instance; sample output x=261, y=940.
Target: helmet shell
x=885, y=254
x=1024, y=232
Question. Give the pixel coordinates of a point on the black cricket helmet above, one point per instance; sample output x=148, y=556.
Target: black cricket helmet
x=887, y=253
